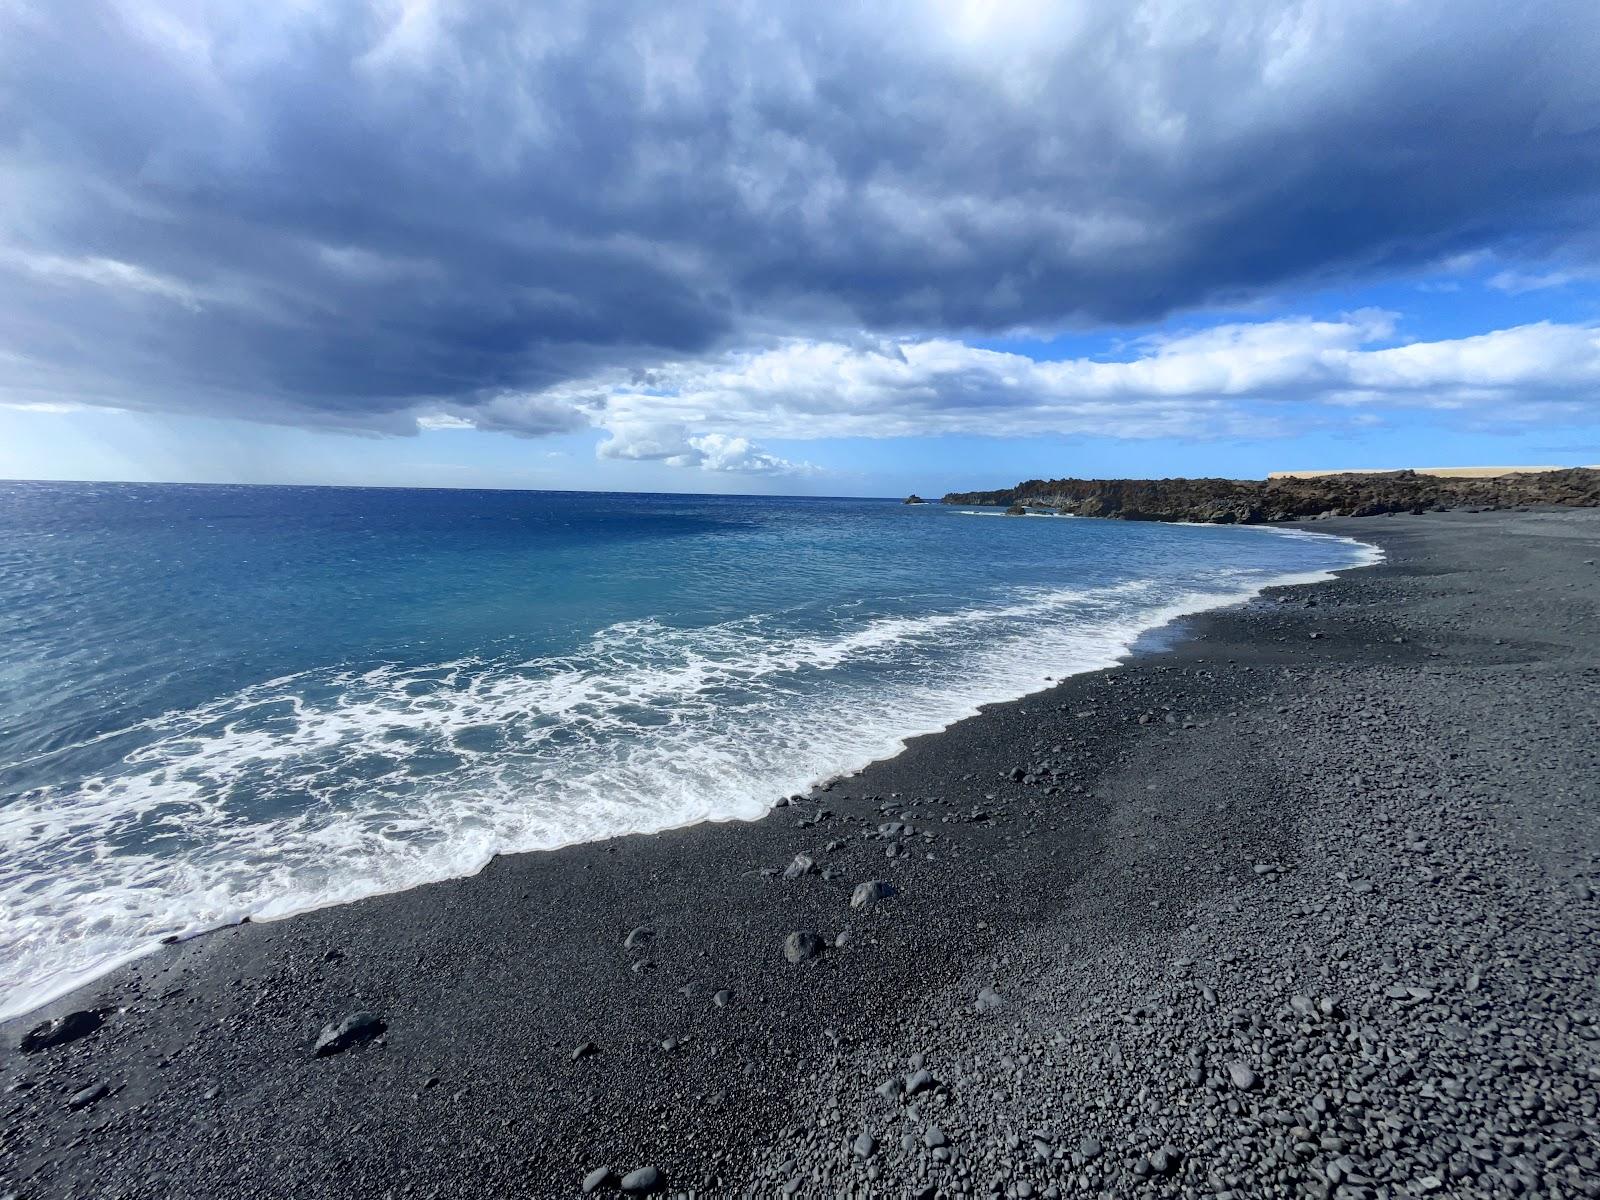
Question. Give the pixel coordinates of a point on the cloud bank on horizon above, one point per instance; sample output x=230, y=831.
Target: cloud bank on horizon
x=693, y=230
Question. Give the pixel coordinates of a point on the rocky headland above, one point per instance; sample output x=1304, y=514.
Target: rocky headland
x=1254, y=501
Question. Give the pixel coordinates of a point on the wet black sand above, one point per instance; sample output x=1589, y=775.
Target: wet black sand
x=1357, y=866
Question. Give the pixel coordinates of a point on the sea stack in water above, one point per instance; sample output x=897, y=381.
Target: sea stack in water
x=914, y=499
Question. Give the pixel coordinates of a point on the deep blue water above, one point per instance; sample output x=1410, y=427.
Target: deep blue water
x=221, y=701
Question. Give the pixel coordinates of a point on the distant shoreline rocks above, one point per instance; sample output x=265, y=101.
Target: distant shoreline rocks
x=1288, y=498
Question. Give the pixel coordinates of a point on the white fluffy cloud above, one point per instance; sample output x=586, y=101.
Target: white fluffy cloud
x=1247, y=378
x=723, y=452
x=674, y=445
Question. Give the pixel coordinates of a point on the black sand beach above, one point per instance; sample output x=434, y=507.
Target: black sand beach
x=1301, y=904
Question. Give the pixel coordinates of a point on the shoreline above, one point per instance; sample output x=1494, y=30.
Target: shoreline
x=1161, y=620
x=489, y=984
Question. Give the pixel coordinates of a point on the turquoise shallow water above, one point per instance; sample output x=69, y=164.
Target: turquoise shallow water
x=228, y=701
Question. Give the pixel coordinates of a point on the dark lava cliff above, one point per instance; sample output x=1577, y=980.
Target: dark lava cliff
x=1251, y=501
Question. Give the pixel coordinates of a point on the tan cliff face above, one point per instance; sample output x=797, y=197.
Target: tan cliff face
x=1294, y=497
x=1442, y=472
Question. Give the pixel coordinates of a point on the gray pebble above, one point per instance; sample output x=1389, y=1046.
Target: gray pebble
x=645, y=1179
x=802, y=946
x=354, y=1030
x=871, y=892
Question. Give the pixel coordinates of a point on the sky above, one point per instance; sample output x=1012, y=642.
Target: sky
x=772, y=248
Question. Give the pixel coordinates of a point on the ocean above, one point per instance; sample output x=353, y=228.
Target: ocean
x=229, y=701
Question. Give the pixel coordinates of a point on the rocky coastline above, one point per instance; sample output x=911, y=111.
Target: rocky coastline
x=1253, y=502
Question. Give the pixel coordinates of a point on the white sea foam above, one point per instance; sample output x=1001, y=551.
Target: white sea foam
x=327, y=786
x=970, y=512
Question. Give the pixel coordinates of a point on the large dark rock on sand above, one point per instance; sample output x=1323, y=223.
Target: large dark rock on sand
x=871, y=892
x=645, y=1179
x=60, y=1031
x=86, y=1096
x=802, y=946
x=355, y=1030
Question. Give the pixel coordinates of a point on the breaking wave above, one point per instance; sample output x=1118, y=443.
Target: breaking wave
x=325, y=786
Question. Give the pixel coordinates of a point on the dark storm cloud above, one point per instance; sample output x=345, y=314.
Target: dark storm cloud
x=341, y=213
